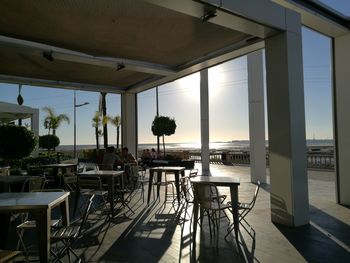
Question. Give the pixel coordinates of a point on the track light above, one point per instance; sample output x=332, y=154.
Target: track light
x=208, y=14
x=48, y=55
x=120, y=66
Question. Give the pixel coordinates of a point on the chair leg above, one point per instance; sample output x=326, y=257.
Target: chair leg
x=218, y=231
x=20, y=243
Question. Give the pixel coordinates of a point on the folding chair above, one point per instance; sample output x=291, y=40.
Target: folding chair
x=121, y=190
x=205, y=194
x=244, y=209
x=169, y=180
x=70, y=182
x=31, y=184
x=31, y=224
x=143, y=181
x=92, y=185
x=68, y=235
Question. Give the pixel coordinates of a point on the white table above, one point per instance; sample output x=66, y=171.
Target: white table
x=167, y=169
x=39, y=204
x=233, y=183
x=107, y=176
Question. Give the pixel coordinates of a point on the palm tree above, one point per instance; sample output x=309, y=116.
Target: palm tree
x=96, y=123
x=116, y=121
x=53, y=121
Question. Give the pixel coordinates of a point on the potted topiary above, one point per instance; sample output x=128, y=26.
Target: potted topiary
x=49, y=142
x=162, y=126
x=16, y=142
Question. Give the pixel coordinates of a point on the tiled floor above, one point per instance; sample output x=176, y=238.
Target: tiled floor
x=159, y=233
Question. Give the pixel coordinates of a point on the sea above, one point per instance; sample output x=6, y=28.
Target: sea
x=235, y=145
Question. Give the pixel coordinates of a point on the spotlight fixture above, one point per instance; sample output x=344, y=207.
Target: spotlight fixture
x=120, y=66
x=208, y=14
x=48, y=55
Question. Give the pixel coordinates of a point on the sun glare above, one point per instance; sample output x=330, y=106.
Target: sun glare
x=217, y=77
x=190, y=86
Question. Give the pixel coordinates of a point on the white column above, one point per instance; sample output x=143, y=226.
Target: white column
x=204, y=105
x=256, y=117
x=129, y=122
x=34, y=126
x=341, y=95
x=286, y=120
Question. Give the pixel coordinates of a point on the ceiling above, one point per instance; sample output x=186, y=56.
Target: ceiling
x=112, y=44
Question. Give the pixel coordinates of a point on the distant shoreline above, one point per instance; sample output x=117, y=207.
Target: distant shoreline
x=214, y=146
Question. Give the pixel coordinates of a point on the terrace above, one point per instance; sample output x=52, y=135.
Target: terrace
x=127, y=47
x=158, y=233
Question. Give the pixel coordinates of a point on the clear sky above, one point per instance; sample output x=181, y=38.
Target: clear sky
x=180, y=99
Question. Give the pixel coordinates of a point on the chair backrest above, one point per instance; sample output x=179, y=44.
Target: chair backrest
x=5, y=171
x=134, y=170
x=90, y=182
x=252, y=203
x=206, y=195
x=187, y=189
x=193, y=173
x=90, y=167
x=70, y=182
x=31, y=184
x=169, y=176
x=85, y=214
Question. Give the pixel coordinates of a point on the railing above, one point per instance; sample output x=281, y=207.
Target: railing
x=314, y=160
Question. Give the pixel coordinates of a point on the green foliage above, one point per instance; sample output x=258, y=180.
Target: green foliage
x=117, y=122
x=163, y=125
x=49, y=141
x=53, y=121
x=16, y=142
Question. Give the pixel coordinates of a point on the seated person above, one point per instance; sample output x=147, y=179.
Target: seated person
x=146, y=156
x=110, y=159
x=127, y=158
x=153, y=154
x=130, y=166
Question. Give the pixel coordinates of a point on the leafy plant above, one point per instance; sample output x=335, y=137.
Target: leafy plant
x=163, y=126
x=116, y=121
x=96, y=123
x=16, y=142
x=49, y=142
x=53, y=121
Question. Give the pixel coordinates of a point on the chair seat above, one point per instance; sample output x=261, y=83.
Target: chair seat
x=244, y=206
x=215, y=206
x=241, y=205
x=65, y=233
x=93, y=192
x=32, y=224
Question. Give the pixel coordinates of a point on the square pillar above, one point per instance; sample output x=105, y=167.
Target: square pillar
x=286, y=120
x=256, y=117
x=34, y=126
x=341, y=95
x=204, y=108
x=129, y=122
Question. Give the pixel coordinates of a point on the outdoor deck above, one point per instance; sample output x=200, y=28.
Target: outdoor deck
x=159, y=234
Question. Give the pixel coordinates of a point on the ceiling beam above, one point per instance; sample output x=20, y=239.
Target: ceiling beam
x=265, y=19
x=157, y=81
x=79, y=57
x=317, y=17
x=60, y=84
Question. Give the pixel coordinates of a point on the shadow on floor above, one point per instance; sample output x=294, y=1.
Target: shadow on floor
x=325, y=239
x=147, y=237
